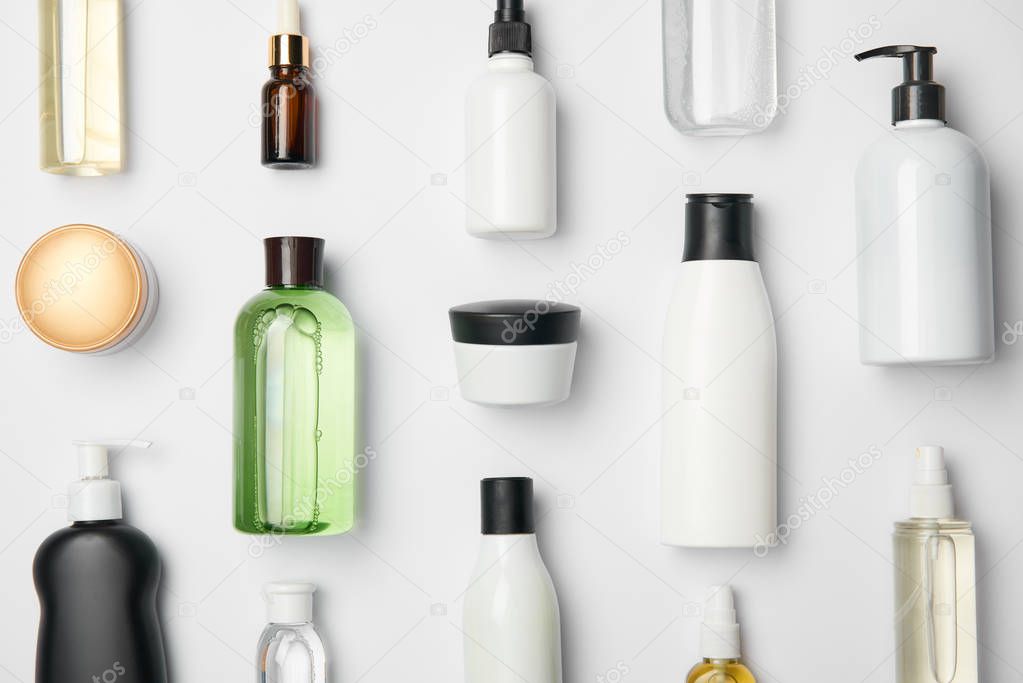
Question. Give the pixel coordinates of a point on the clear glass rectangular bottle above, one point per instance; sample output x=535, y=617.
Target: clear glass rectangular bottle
x=935, y=602
x=720, y=65
x=935, y=582
x=81, y=102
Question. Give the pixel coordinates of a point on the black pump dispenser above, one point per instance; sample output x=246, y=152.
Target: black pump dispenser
x=510, y=32
x=919, y=96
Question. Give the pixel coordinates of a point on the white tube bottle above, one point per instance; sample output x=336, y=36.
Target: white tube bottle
x=511, y=173
x=719, y=459
x=511, y=621
x=923, y=217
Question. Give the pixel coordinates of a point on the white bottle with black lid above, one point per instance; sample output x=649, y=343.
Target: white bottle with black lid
x=511, y=166
x=511, y=621
x=719, y=458
x=923, y=216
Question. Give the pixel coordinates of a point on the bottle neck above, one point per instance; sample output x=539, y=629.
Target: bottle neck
x=919, y=123
x=510, y=61
x=721, y=661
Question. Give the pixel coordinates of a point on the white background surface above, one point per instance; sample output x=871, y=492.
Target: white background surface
x=195, y=200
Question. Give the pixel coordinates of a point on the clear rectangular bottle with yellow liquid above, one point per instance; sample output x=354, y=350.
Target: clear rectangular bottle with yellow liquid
x=81, y=91
x=935, y=582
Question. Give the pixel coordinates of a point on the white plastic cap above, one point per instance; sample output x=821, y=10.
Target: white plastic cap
x=289, y=602
x=288, y=18
x=95, y=496
x=719, y=636
x=931, y=495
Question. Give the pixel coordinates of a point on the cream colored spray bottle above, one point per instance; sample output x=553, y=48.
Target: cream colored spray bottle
x=935, y=577
x=719, y=642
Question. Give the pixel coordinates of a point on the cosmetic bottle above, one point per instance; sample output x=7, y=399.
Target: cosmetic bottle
x=718, y=464
x=935, y=582
x=97, y=582
x=289, y=100
x=290, y=650
x=512, y=152
x=84, y=289
x=923, y=217
x=81, y=98
x=511, y=622
x=720, y=65
x=719, y=642
x=294, y=401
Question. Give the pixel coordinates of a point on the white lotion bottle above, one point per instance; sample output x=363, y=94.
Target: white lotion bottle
x=719, y=458
x=923, y=216
x=511, y=621
x=511, y=184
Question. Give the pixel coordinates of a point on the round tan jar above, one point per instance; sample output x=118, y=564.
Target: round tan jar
x=82, y=288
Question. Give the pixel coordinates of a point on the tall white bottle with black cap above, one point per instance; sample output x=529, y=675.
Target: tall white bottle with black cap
x=923, y=217
x=719, y=459
x=935, y=577
x=511, y=166
x=290, y=649
x=511, y=621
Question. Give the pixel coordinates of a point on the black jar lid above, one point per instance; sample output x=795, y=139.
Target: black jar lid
x=515, y=322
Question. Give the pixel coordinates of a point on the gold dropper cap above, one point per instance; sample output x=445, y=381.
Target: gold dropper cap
x=289, y=49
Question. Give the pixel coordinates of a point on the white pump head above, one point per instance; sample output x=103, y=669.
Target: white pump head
x=931, y=495
x=289, y=602
x=95, y=496
x=719, y=636
x=288, y=18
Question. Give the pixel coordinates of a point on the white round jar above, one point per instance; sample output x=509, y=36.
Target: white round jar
x=515, y=352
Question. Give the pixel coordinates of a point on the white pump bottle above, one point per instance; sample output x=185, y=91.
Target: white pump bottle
x=923, y=216
x=511, y=172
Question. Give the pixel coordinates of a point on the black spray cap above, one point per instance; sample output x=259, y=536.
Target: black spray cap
x=510, y=32
x=507, y=505
x=919, y=96
x=719, y=227
x=294, y=261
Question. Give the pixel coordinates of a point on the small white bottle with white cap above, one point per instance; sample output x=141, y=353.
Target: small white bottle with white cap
x=719, y=642
x=290, y=649
x=935, y=573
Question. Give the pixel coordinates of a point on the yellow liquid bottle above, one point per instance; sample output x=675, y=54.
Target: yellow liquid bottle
x=720, y=671
x=81, y=105
x=719, y=642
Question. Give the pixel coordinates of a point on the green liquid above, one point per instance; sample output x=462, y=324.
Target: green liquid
x=295, y=393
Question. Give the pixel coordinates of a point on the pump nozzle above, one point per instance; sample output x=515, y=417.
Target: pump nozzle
x=510, y=32
x=95, y=496
x=719, y=635
x=919, y=96
x=931, y=496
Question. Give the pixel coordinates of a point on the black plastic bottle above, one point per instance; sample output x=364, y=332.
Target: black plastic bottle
x=97, y=582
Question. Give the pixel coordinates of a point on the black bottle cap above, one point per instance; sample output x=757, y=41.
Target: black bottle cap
x=510, y=32
x=507, y=505
x=719, y=227
x=919, y=96
x=515, y=322
x=294, y=261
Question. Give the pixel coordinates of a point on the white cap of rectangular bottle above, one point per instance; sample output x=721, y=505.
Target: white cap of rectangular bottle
x=289, y=602
x=931, y=495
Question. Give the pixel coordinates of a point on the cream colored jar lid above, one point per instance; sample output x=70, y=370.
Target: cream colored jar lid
x=81, y=288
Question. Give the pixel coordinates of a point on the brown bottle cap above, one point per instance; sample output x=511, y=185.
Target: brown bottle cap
x=294, y=261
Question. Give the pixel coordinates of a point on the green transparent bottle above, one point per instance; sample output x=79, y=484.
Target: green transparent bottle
x=294, y=402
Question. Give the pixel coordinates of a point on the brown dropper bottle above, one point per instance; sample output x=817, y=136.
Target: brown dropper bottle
x=289, y=101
